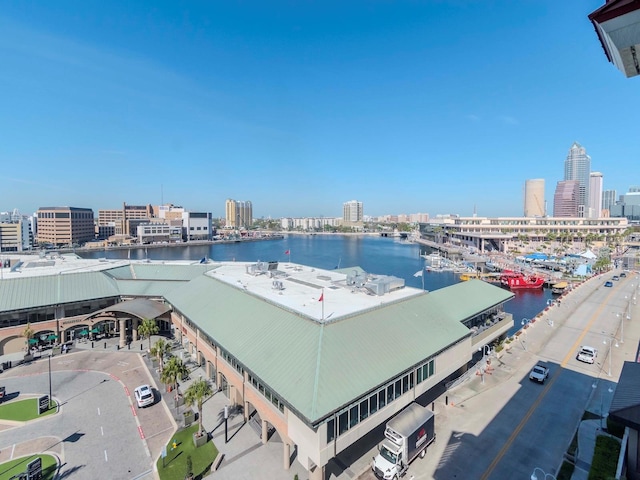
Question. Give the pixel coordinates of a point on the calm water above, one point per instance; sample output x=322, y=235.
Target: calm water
x=374, y=254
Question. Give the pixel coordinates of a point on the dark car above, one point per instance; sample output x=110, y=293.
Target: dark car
x=608, y=283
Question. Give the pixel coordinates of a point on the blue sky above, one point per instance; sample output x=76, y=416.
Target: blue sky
x=434, y=106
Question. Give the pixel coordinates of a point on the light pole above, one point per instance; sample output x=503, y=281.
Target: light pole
x=610, y=340
x=49, y=381
x=544, y=475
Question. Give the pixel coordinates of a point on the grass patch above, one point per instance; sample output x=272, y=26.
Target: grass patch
x=175, y=463
x=24, y=410
x=19, y=465
x=605, y=458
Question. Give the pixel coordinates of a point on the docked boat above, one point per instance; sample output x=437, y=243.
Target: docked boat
x=559, y=288
x=522, y=282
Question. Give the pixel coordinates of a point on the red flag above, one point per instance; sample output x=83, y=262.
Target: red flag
x=321, y=297
x=288, y=252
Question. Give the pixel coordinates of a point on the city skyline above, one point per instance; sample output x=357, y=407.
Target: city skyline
x=302, y=108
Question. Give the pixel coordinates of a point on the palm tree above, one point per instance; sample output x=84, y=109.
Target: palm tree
x=197, y=393
x=148, y=327
x=159, y=349
x=28, y=333
x=173, y=370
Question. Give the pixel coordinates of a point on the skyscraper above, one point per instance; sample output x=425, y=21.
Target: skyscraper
x=534, y=198
x=238, y=214
x=608, y=199
x=352, y=212
x=565, y=200
x=595, y=195
x=577, y=166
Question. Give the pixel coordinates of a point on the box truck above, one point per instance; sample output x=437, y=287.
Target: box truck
x=407, y=435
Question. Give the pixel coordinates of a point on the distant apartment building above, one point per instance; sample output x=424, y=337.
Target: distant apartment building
x=595, y=195
x=628, y=205
x=577, y=166
x=147, y=233
x=238, y=214
x=352, y=213
x=534, y=204
x=169, y=212
x=608, y=199
x=116, y=222
x=308, y=223
x=419, y=217
x=65, y=225
x=15, y=233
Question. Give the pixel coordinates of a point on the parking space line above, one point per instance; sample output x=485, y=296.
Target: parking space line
x=106, y=459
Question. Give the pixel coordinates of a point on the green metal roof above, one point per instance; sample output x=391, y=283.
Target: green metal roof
x=155, y=271
x=46, y=290
x=147, y=288
x=315, y=368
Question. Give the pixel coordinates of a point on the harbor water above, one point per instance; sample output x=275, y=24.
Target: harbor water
x=379, y=255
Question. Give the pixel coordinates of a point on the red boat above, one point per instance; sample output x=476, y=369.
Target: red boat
x=523, y=281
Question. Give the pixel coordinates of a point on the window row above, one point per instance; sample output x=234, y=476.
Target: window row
x=268, y=394
x=358, y=412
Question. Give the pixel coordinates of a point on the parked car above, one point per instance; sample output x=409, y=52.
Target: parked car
x=144, y=395
x=587, y=354
x=539, y=373
x=608, y=283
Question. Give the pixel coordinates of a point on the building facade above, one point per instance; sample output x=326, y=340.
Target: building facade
x=352, y=212
x=608, y=199
x=65, y=225
x=628, y=206
x=117, y=218
x=577, y=166
x=197, y=226
x=566, y=199
x=238, y=214
x=534, y=203
x=595, y=195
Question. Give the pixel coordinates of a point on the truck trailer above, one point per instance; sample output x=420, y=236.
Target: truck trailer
x=407, y=435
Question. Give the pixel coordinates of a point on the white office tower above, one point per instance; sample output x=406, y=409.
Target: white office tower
x=352, y=212
x=534, y=198
x=595, y=195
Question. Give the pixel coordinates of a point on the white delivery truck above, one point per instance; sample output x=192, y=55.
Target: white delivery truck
x=407, y=435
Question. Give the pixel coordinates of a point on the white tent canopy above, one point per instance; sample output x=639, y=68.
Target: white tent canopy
x=588, y=254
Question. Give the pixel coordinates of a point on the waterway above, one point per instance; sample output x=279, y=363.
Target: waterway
x=386, y=256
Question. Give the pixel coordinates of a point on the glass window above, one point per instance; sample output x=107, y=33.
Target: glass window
x=373, y=403
x=331, y=430
x=419, y=375
x=411, y=380
x=405, y=384
x=381, y=399
x=390, y=393
x=353, y=416
x=398, y=391
x=364, y=409
x=425, y=371
x=431, y=367
x=343, y=423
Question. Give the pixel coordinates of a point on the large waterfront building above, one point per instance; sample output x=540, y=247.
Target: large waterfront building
x=502, y=233
x=197, y=226
x=566, y=200
x=239, y=215
x=309, y=223
x=577, y=166
x=352, y=213
x=323, y=357
x=534, y=203
x=65, y=225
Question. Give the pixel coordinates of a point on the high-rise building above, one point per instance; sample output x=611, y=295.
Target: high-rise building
x=608, y=199
x=352, y=212
x=628, y=205
x=238, y=214
x=565, y=199
x=595, y=195
x=577, y=166
x=65, y=225
x=534, y=198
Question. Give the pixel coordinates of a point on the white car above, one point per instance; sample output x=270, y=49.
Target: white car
x=144, y=395
x=587, y=354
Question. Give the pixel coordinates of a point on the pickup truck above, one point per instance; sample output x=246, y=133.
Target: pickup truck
x=539, y=373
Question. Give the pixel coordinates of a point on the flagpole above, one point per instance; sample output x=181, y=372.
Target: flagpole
x=323, y=304
x=422, y=271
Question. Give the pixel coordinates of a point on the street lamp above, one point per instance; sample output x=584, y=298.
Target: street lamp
x=610, y=340
x=544, y=475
